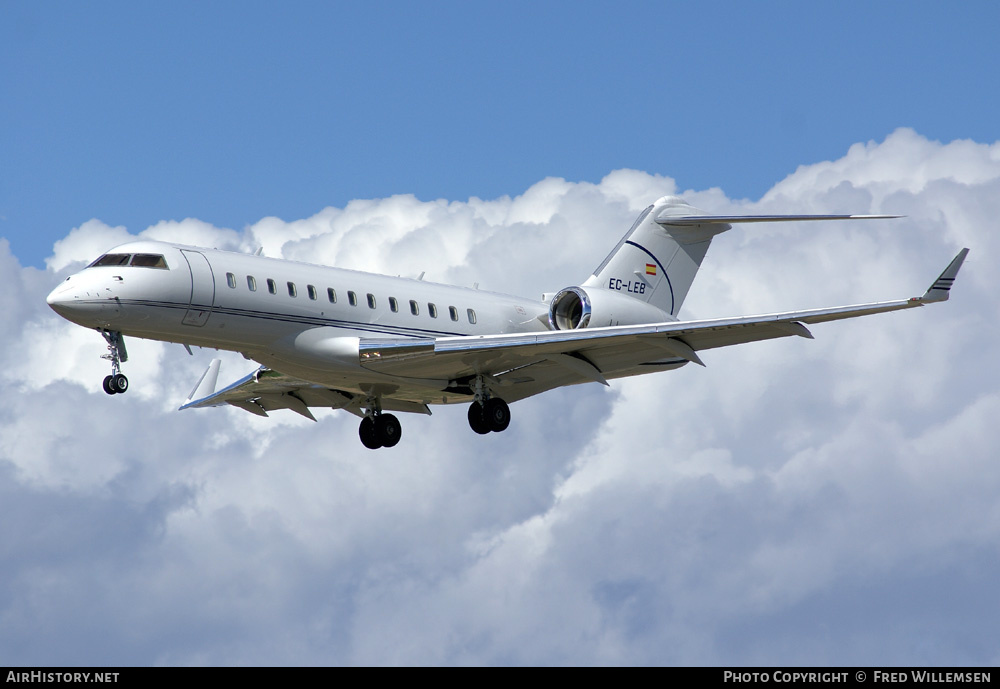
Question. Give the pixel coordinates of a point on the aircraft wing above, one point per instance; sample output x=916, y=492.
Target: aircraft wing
x=266, y=390
x=526, y=364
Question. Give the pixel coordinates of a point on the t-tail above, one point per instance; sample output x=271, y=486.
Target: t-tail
x=647, y=276
x=656, y=261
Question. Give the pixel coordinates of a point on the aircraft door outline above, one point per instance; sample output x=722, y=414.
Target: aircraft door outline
x=202, y=299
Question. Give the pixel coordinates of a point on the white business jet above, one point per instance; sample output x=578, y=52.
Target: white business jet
x=374, y=344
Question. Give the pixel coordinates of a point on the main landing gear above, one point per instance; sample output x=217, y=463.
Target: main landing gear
x=490, y=416
x=115, y=383
x=378, y=429
x=487, y=413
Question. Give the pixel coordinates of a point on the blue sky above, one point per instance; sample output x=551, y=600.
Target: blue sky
x=830, y=501
x=230, y=112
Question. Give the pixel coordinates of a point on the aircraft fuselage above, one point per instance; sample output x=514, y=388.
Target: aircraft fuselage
x=262, y=307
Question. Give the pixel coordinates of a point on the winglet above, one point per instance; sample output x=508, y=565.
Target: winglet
x=206, y=384
x=939, y=290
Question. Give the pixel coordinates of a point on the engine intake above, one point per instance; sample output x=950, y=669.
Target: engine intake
x=574, y=308
x=570, y=309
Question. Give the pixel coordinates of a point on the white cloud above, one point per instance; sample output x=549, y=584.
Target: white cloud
x=791, y=503
x=85, y=243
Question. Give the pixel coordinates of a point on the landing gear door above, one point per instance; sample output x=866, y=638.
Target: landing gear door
x=202, y=289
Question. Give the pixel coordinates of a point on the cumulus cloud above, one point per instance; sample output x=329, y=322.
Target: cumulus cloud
x=827, y=501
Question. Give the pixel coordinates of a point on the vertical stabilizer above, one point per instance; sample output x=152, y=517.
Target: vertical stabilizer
x=656, y=261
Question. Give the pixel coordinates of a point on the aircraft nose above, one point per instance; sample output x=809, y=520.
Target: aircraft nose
x=60, y=297
x=66, y=301
x=84, y=302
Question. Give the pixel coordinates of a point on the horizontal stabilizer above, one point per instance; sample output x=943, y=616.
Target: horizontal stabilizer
x=682, y=220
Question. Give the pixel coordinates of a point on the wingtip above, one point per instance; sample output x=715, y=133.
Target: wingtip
x=205, y=385
x=941, y=288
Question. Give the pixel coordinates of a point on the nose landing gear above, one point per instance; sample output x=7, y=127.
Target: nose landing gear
x=116, y=383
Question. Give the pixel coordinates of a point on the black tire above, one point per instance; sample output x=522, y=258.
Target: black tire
x=496, y=413
x=367, y=433
x=476, y=419
x=387, y=430
x=119, y=383
x=107, y=385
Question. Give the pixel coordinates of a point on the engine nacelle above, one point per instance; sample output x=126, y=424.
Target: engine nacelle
x=576, y=307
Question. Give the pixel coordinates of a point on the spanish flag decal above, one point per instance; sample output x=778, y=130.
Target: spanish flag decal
x=650, y=269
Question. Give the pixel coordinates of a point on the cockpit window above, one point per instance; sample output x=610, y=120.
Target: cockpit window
x=136, y=260
x=149, y=261
x=111, y=260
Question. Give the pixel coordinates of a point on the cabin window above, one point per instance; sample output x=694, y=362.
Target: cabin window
x=331, y=294
x=312, y=292
x=393, y=305
x=272, y=286
x=111, y=260
x=432, y=310
x=148, y=261
x=414, y=308
x=231, y=280
x=291, y=289
x=472, y=315
x=352, y=298
x=371, y=300
x=453, y=312
x=251, y=283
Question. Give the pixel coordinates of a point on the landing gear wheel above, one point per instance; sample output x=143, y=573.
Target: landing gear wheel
x=116, y=382
x=387, y=430
x=367, y=433
x=476, y=419
x=496, y=414
x=119, y=383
